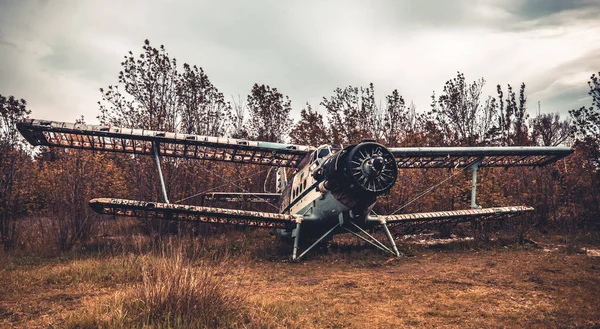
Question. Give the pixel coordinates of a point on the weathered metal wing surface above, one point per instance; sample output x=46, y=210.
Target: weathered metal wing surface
x=166, y=211
x=459, y=157
x=242, y=197
x=139, y=141
x=454, y=216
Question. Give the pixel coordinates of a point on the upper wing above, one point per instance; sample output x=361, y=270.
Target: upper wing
x=139, y=141
x=170, y=211
x=457, y=157
x=452, y=216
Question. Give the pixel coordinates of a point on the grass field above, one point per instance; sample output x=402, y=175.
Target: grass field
x=439, y=286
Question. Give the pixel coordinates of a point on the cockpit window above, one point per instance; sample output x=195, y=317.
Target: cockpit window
x=323, y=152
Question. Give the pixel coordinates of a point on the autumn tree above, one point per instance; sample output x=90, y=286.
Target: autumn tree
x=68, y=180
x=145, y=97
x=269, y=112
x=461, y=113
x=310, y=130
x=14, y=163
x=152, y=93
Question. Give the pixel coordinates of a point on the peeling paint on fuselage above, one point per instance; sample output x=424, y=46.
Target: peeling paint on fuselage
x=319, y=210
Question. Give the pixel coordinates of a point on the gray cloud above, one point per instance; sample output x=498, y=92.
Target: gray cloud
x=534, y=9
x=6, y=43
x=56, y=54
x=438, y=13
x=534, y=14
x=564, y=87
x=70, y=56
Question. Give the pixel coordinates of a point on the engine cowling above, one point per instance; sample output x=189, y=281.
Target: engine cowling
x=372, y=168
x=364, y=169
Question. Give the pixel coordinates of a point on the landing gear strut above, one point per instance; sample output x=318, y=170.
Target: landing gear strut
x=347, y=226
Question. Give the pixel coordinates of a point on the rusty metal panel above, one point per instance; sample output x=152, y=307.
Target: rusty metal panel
x=164, y=211
x=242, y=197
x=452, y=216
x=138, y=141
x=459, y=157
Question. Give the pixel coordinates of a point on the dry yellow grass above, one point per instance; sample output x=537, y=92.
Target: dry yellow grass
x=511, y=288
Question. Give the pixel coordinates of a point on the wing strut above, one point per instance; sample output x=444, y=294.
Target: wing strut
x=391, y=238
x=474, y=168
x=160, y=175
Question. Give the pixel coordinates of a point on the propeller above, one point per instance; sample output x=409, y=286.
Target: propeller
x=372, y=168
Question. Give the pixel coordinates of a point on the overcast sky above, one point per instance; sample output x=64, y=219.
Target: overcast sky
x=56, y=54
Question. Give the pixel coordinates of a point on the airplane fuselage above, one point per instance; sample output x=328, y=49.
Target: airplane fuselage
x=332, y=185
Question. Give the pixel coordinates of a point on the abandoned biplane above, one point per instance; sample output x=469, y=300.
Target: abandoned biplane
x=332, y=190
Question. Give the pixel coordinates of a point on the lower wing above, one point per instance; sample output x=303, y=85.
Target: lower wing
x=169, y=211
x=454, y=216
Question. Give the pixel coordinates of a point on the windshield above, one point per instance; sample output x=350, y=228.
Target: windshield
x=321, y=152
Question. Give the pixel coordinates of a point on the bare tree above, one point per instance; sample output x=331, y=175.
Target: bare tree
x=237, y=128
x=511, y=128
x=202, y=107
x=353, y=114
x=460, y=112
x=14, y=158
x=520, y=123
x=586, y=121
x=549, y=129
x=150, y=84
x=396, y=118
x=269, y=114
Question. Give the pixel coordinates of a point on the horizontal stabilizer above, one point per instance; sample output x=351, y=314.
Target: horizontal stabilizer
x=166, y=211
x=454, y=216
x=492, y=156
x=140, y=141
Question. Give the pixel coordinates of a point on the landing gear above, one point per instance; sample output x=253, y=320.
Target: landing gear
x=297, y=241
x=391, y=239
x=353, y=229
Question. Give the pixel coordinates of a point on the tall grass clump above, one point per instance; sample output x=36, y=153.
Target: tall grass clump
x=175, y=294
x=174, y=289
